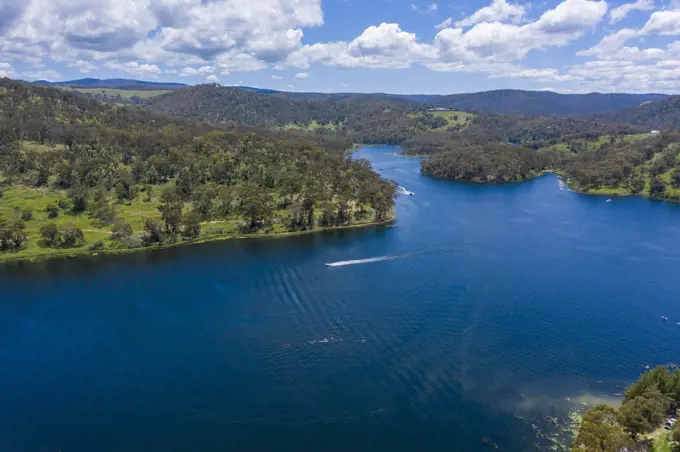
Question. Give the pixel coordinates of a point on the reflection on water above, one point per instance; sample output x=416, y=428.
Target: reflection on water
x=486, y=316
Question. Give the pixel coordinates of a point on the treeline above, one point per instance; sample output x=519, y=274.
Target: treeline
x=662, y=114
x=102, y=162
x=492, y=162
x=646, y=406
x=361, y=119
x=647, y=166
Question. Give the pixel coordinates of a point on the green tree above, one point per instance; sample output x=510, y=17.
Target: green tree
x=171, y=211
x=120, y=230
x=12, y=235
x=71, y=235
x=192, y=224
x=601, y=430
x=153, y=232
x=50, y=236
x=644, y=413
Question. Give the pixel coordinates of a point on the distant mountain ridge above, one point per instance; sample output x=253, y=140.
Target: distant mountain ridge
x=660, y=115
x=113, y=83
x=504, y=101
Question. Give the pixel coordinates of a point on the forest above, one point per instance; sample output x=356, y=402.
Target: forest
x=76, y=173
x=640, y=422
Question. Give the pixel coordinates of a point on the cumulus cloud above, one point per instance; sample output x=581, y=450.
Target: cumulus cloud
x=174, y=32
x=302, y=75
x=497, y=11
x=620, y=12
x=496, y=41
x=663, y=23
x=213, y=78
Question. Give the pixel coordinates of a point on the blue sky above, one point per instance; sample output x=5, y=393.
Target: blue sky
x=399, y=46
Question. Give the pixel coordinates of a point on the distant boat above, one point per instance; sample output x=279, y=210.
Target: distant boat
x=403, y=191
x=664, y=317
x=609, y=200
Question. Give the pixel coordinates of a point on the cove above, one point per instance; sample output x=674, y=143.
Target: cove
x=483, y=310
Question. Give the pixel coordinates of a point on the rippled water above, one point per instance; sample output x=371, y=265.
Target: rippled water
x=483, y=310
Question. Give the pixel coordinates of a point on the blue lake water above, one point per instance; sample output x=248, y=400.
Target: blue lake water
x=496, y=307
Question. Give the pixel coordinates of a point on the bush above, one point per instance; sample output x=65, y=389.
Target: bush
x=52, y=211
x=132, y=241
x=65, y=204
x=66, y=235
x=27, y=215
x=120, y=230
x=98, y=245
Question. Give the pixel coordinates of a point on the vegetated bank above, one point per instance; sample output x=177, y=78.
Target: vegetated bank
x=77, y=175
x=643, y=422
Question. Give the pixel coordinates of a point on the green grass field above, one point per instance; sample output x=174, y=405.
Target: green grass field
x=19, y=198
x=452, y=118
x=124, y=93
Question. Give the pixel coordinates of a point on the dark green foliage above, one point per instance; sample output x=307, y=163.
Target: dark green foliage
x=648, y=402
x=171, y=211
x=191, y=224
x=662, y=114
x=52, y=211
x=489, y=163
x=66, y=235
x=27, y=215
x=154, y=233
x=98, y=245
x=12, y=235
x=601, y=430
x=121, y=229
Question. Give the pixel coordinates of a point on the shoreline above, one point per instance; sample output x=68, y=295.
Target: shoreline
x=77, y=252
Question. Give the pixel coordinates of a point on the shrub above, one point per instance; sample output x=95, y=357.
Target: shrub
x=98, y=245
x=27, y=215
x=52, y=211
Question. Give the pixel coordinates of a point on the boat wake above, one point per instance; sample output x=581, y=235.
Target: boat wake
x=403, y=191
x=361, y=261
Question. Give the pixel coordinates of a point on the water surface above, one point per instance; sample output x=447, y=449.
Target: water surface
x=482, y=310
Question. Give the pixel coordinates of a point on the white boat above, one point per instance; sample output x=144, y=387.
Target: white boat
x=664, y=317
x=609, y=200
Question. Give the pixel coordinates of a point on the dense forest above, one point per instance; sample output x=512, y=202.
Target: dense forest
x=646, y=406
x=493, y=162
x=661, y=115
x=75, y=172
x=361, y=122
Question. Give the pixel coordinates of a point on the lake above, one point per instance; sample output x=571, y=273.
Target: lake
x=481, y=311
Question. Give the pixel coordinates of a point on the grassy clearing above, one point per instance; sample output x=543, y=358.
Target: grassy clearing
x=124, y=93
x=452, y=117
x=18, y=199
x=313, y=126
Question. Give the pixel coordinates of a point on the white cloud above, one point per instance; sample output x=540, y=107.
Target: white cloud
x=610, y=44
x=663, y=23
x=6, y=69
x=277, y=77
x=45, y=74
x=497, y=11
x=496, y=41
x=617, y=14
x=431, y=8
x=445, y=24
x=135, y=68
x=212, y=78
x=83, y=66
x=302, y=75
x=174, y=33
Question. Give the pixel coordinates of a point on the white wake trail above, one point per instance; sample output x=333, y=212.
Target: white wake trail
x=361, y=261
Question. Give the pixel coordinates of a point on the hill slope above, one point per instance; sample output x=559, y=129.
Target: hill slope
x=115, y=83
x=660, y=115
x=542, y=103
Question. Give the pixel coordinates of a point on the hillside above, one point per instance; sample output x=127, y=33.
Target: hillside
x=541, y=103
x=77, y=175
x=365, y=121
x=659, y=115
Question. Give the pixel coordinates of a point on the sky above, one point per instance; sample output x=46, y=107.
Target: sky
x=396, y=46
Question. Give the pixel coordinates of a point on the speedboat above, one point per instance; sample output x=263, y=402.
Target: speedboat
x=327, y=264
x=664, y=317
x=609, y=200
